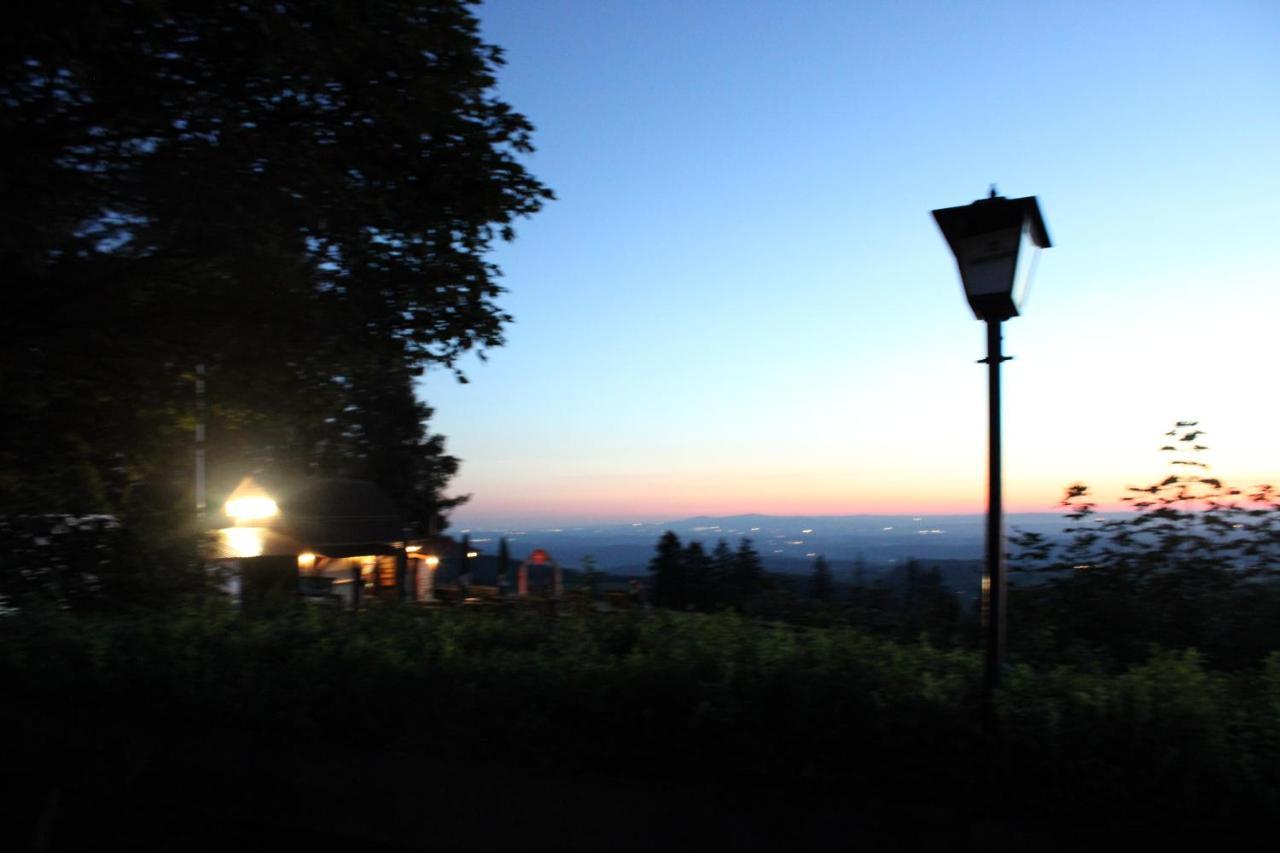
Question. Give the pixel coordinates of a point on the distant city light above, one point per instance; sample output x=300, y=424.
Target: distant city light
x=432, y=561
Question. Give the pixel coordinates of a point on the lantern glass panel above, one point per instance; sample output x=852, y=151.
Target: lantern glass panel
x=988, y=261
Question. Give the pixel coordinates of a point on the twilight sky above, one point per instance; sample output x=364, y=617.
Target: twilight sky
x=740, y=303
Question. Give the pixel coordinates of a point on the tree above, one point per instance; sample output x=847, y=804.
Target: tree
x=858, y=583
x=667, y=570
x=720, y=576
x=748, y=573
x=504, y=564
x=1194, y=565
x=821, y=582
x=697, y=572
x=590, y=577
x=300, y=197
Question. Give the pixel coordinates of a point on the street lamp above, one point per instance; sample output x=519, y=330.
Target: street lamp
x=988, y=238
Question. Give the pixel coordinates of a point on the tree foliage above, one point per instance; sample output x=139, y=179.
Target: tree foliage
x=685, y=577
x=1194, y=565
x=822, y=583
x=300, y=197
x=667, y=570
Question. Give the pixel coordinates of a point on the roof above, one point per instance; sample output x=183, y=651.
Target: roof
x=315, y=512
x=329, y=511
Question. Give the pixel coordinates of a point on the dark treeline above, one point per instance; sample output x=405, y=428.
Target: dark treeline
x=905, y=604
x=1194, y=566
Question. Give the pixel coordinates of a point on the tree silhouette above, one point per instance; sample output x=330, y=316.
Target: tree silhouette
x=504, y=564
x=748, y=573
x=301, y=198
x=697, y=571
x=822, y=585
x=720, y=576
x=1194, y=565
x=667, y=570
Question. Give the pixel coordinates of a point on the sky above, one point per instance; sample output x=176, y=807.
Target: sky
x=740, y=303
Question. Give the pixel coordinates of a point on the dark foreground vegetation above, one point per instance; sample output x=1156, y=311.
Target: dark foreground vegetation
x=1143, y=697
x=712, y=700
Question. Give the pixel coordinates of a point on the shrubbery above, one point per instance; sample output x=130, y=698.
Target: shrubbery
x=710, y=696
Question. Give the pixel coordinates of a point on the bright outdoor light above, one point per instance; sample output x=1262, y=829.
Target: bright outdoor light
x=242, y=542
x=987, y=237
x=432, y=561
x=473, y=554
x=251, y=508
x=306, y=560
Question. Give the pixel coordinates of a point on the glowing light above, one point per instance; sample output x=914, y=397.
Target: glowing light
x=251, y=508
x=412, y=549
x=472, y=554
x=306, y=561
x=807, y=530
x=243, y=541
x=432, y=561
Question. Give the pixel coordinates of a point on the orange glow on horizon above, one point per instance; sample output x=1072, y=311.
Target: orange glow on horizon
x=667, y=499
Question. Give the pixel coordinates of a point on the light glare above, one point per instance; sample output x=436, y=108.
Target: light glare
x=244, y=541
x=252, y=508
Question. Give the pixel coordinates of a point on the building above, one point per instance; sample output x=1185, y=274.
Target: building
x=322, y=539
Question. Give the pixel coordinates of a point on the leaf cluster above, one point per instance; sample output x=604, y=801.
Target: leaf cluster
x=1194, y=565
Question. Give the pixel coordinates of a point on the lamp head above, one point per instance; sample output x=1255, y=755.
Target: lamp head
x=987, y=240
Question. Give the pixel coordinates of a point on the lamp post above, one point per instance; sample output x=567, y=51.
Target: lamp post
x=987, y=238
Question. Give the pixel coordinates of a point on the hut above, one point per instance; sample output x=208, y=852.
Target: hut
x=322, y=539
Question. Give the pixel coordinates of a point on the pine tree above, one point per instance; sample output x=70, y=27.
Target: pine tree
x=821, y=581
x=697, y=569
x=858, y=593
x=464, y=563
x=720, y=576
x=748, y=573
x=667, y=570
x=504, y=563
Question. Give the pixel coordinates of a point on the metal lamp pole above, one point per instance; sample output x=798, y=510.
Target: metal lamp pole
x=993, y=592
x=987, y=239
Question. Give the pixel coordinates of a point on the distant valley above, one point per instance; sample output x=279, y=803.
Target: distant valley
x=787, y=544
